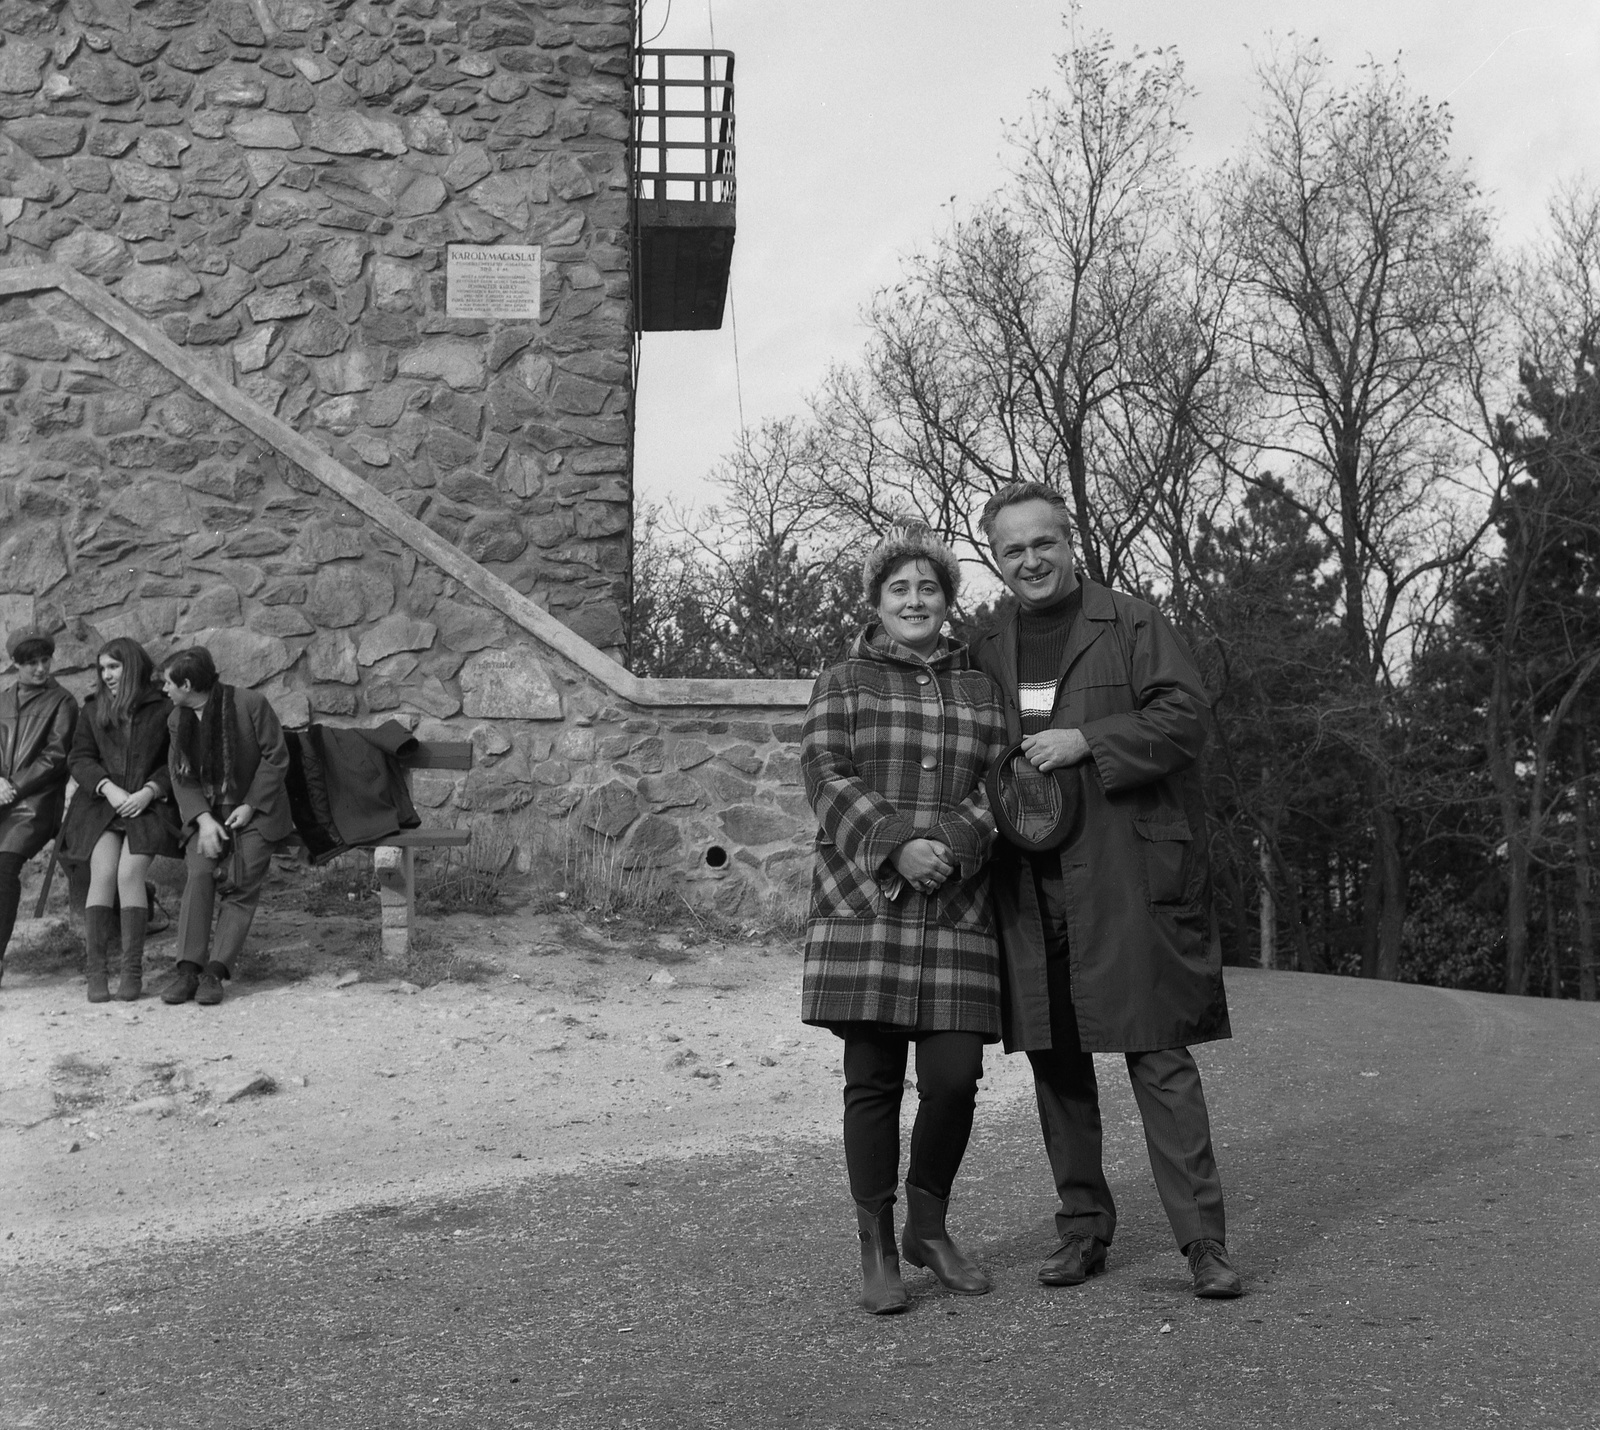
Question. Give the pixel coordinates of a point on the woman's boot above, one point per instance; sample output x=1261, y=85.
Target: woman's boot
x=927, y=1243
x=133, y=926
x=881, y=1290
x=96, y=935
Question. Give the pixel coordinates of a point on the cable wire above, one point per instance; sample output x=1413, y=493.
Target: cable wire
x=733, y=310
x=664, y=23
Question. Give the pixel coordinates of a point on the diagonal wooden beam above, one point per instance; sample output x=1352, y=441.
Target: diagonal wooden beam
x=384, y=513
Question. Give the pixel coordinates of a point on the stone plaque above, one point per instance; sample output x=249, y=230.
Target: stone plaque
x=492, y=281
x=508, y=684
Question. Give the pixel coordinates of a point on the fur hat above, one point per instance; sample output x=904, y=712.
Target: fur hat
x=901, y=542
x=27, y=634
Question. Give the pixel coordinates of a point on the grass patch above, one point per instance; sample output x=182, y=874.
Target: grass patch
x=344, y=885
x=52, y=944
x=591, y=876
x=82, y=1080
x=471, y=879
x=431, y=961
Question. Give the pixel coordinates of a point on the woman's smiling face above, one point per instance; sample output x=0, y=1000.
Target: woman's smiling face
x=911, y=605
x=111, y=673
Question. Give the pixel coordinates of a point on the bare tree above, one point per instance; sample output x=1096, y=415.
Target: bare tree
x=1065, y=332
x=1363, y=248
x=763, y=582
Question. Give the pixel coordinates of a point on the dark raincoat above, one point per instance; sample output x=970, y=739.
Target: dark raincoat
x=1136, y=871
x=131, y=756
x=36, y=724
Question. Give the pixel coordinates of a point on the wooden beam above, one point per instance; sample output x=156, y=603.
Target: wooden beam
x=204, y=380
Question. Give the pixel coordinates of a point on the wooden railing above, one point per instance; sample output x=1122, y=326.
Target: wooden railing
x=683, y=126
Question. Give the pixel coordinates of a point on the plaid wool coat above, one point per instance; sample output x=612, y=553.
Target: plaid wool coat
x=893, y=748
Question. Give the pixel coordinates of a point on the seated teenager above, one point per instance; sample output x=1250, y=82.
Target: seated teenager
x=122, y=815
x=228, y=762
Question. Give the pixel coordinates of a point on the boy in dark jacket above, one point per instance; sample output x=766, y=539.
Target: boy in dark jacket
x=37, y=718
x=228, y=763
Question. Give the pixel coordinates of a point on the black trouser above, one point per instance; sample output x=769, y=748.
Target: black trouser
x=10, y=895
x=1172, y=1105
x=948, y=1068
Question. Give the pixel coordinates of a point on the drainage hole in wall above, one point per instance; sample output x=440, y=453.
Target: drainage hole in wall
x=716, y=857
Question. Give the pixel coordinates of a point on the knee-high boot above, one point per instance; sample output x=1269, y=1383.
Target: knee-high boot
x=882, y=1291
x=133, y=927
x=927, y=1243
x=96, y=935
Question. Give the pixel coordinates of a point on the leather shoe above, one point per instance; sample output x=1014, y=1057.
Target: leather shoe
x=208, y=992
x=1214, y=1276
x=1074, y=1262
x=185, y=979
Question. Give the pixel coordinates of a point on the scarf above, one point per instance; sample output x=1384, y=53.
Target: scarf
x=209, y=746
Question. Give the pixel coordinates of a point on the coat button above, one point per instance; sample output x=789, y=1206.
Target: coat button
x=923, y=679
x=928, y=762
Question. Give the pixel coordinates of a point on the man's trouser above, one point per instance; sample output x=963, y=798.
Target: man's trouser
x=195, y=942
x=1166, y=1085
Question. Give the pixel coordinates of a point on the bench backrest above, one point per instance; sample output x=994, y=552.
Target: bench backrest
x=439, y=755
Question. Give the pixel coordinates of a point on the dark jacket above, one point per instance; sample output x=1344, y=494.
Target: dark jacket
x=1136, y=870
x=36, y=724
x=262, y=761
x=132, y=756
x=894, y=748
x=346, y=786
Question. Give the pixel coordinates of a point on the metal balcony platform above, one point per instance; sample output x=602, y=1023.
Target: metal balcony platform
x=683, y=165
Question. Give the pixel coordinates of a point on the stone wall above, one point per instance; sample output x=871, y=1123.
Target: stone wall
x=130, y=504
x=274, y=182
x=234, y=412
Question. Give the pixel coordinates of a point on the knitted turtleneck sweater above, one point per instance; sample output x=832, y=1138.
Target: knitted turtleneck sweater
x=1041, y=647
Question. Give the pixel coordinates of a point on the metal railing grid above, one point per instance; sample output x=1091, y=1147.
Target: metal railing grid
x=684, y=153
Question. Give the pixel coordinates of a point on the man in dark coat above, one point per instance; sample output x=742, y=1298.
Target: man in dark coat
x=37, y=718
x=1103, y=938
x=228, y=763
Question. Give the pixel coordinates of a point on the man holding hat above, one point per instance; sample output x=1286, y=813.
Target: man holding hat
x=1100, y=882
x=37, y=718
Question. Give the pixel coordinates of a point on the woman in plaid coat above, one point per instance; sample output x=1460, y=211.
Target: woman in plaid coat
x=900, y=944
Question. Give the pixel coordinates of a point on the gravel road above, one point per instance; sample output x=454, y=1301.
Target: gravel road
x=1412, y=1178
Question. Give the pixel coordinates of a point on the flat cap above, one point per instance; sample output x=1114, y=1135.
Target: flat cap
x=17, y=639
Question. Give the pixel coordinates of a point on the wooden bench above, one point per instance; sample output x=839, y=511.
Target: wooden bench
x=394, y=860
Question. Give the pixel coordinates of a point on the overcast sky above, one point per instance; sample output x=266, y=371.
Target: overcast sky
x=860, y=120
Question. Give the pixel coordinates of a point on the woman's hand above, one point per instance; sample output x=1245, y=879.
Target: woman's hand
x=136, y=803
x=113, y=794
x=8, y=791
x=923, y=863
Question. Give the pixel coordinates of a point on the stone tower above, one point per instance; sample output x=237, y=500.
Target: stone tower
x=240, y=404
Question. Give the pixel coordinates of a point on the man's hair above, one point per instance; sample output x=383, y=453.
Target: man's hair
x=34, y=648
x=1014, y=495
x=193, y=667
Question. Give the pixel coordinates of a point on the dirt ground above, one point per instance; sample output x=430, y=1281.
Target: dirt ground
x=555, y=1041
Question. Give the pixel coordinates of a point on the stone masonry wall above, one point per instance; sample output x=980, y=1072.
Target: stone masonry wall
x=274, y=183
x=130, y=506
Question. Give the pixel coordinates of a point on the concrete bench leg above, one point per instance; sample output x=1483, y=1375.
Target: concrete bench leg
x=397, y=897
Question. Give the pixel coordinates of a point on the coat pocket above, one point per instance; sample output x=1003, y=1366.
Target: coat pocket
x=964, y=903
x=840, y=890
x=1166, y=839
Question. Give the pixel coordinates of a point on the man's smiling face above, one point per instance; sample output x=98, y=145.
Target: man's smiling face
x=1034, y=553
